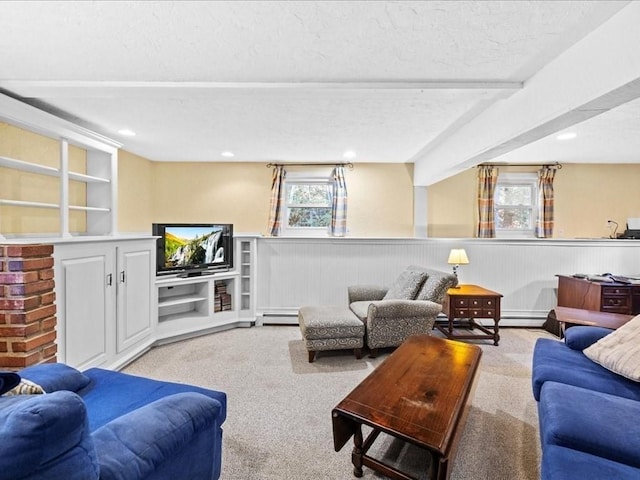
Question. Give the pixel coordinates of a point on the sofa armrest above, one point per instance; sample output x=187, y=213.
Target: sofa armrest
x=46, y=437
x=366, y=293
x=581, y=337
x=135, y=445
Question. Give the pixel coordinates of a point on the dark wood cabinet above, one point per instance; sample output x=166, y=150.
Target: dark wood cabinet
x=599, y=296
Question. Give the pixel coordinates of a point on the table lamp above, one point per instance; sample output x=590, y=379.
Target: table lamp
x=457, y=257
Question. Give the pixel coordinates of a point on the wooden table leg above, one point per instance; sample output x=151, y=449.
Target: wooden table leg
x=356, y=456
x=496, y=332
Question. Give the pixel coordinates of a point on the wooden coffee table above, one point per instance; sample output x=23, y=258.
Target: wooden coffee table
x=420, y=394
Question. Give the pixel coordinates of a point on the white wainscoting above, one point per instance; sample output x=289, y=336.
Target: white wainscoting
x=292, y=272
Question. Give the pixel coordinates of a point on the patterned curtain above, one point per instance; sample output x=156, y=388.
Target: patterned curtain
x=487, y=178
x=277, y=192
x=544, y=222
x=339, y=204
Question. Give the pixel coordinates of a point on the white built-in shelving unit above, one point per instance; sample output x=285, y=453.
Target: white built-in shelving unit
x=100, y=177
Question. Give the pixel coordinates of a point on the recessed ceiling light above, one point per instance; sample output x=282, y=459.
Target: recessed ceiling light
x=227, y=154
x=349, y=154
x=127, y=133
x=567, y=136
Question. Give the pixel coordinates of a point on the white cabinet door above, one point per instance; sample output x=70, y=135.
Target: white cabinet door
x=135, y=278
x=85, y=297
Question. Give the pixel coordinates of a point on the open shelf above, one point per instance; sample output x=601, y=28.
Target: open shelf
x=29, y=167
x=81, y=177
x=24, y=203
x=180, y=300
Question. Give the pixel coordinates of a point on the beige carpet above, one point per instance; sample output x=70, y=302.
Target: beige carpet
x=279, y=405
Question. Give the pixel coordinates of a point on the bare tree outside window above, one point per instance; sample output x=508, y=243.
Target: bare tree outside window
x=308, y=205
x=515, y=205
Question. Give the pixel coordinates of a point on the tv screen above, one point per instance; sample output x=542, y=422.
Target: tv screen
x=187, y=247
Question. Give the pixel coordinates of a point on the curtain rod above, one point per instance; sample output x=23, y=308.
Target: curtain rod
x=339, y=164
x=552, y=165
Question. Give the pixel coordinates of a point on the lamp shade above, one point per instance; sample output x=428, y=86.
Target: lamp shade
x=458, y=256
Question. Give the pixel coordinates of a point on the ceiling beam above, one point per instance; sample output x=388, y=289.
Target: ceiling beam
x=599, y=73
x=91, y=89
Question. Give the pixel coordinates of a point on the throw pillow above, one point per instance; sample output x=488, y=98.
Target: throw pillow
x=436, y=286
x=26, y=387
x=619, y=351
x=406, y=285
x=8, y=380
x=581, y=337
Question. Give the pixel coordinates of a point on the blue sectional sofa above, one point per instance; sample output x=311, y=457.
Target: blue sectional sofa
x=102, y=424
x=587, y=414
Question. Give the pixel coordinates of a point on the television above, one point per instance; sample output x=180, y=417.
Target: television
x=190, y=249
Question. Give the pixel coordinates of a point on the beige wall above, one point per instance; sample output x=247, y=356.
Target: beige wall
x=212, y=192
x=380, y=200
x=380, y=195
x=586, y=196
x=135, y=199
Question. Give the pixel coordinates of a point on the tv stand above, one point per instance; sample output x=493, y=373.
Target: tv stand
x=186, y=303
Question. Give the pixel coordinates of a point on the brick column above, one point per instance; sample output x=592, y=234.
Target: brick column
x=27, y=308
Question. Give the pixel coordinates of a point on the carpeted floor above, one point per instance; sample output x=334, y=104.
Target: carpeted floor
x=279, y=405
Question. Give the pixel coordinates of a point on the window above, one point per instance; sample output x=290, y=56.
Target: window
x=515, y=205
x=307, y=206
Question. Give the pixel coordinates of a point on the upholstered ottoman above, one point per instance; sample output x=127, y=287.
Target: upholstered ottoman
x=330, y=328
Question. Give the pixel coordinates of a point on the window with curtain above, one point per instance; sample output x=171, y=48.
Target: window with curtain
x=515, y=203
x=311, y=202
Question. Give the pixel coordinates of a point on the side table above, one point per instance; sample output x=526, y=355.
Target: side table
x=465, y=303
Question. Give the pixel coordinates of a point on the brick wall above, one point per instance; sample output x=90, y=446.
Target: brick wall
x=27, y=308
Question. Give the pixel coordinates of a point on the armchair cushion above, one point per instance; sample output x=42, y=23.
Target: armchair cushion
x=361, y=309
x=406, y=285
x=436, y=285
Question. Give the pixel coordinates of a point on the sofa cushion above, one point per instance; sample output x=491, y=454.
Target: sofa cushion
x=8, y=381
x=110, y=394
x=620, y=350
x=579, y=337
x=567, y=464
x=593, y=422
x=406, y=285
x=436, y=285
x=53, y=377
x=554, y=361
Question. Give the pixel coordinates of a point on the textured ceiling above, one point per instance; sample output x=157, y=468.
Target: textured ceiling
x=289, y=81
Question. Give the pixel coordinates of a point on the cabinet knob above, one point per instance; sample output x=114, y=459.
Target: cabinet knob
x=122, y=276
x=109, y=279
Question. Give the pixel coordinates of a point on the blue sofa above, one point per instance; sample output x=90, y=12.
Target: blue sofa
x=102, y=424
x=587, y=414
